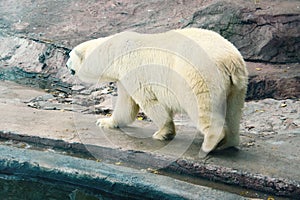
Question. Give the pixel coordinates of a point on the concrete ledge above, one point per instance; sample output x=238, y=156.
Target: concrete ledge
x=127, y=182
x=200, y=169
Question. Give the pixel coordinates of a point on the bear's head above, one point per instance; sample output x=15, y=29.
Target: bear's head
x=85, y=60
x=74, y=61
x=78, y=54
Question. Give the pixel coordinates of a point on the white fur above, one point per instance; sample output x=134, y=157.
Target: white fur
x=196, y=84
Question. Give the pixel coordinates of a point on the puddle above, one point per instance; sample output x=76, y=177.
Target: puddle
x=16, y=188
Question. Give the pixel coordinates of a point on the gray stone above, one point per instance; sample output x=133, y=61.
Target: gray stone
x=262, y=32
x=99, y=176
x=45, y=97
x=77, y=88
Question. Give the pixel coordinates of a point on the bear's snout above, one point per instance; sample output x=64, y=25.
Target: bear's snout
x=73, y=72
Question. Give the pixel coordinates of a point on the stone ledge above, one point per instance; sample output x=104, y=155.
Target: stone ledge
x=125, y=182
x=143, y=160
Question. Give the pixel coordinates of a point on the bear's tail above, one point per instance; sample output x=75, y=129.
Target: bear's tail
x=238, y=72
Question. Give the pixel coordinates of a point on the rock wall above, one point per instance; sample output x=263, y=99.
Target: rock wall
x=37, y=36
x=267, y=32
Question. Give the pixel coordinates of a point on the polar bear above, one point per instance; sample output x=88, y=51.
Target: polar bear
x=191, y=70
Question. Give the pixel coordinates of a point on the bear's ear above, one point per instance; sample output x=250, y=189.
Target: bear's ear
x=79, y=54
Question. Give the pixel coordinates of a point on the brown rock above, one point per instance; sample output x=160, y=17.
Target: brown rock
x=264, y=32
x=273, y=81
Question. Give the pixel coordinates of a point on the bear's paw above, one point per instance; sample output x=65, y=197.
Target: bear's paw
x=166, y=133
x=106, y=123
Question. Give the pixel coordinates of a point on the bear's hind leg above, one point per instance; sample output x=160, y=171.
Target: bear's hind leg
x=211, y=121
x=235, y=104
x=124, y=112
x=166, y=132
x=163, y=118
x=212, y=137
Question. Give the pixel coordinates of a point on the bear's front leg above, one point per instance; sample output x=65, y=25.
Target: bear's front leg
x=124, y=112
x=107, y=123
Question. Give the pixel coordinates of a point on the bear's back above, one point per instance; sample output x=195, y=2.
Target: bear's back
x=225, y=55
